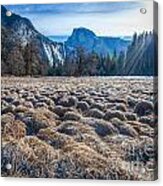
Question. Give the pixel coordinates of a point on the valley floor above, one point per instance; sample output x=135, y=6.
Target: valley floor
x=89, y=127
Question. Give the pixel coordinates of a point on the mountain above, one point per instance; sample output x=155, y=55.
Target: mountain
x=25, y=51
x=85, y=38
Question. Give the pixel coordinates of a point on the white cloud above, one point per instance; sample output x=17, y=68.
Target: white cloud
x=115, y=23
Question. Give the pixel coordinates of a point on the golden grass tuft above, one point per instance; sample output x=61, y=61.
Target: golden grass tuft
x=29, y=157
x=15, y=129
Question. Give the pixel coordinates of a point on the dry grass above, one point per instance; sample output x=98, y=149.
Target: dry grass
x=89, y=128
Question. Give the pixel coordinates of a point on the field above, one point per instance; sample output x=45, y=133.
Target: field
x=88, y=127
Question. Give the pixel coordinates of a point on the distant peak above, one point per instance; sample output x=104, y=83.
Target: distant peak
x=84, y=31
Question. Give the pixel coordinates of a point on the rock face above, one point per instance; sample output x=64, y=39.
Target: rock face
x=85, y=38
x=24, y=49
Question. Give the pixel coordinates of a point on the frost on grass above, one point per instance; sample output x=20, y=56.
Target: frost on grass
x=79, y=128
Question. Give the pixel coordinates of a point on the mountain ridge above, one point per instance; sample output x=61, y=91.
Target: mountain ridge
x=20, y=37
x=102, y=45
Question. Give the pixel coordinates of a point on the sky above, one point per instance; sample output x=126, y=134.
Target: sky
x=105, y=19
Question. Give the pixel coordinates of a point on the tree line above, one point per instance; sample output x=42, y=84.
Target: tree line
x=139, y=59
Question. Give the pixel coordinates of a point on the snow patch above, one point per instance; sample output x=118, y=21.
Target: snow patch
x=49, y=54
x=54, y=54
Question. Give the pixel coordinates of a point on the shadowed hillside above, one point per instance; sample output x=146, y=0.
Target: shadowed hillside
x=24, y=50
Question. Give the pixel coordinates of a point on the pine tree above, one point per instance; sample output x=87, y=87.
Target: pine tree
x=28, y=59
x=134, y=40
x=80, y=60
x=120, y=63
x=107, y=64
x=91, y=65
x=15, y=61
x=113, y=67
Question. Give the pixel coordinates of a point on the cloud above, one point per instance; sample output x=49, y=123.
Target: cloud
x=78, y=8
x=107, y=19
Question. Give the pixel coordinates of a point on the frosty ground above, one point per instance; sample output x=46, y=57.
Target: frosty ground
x=88, y=127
